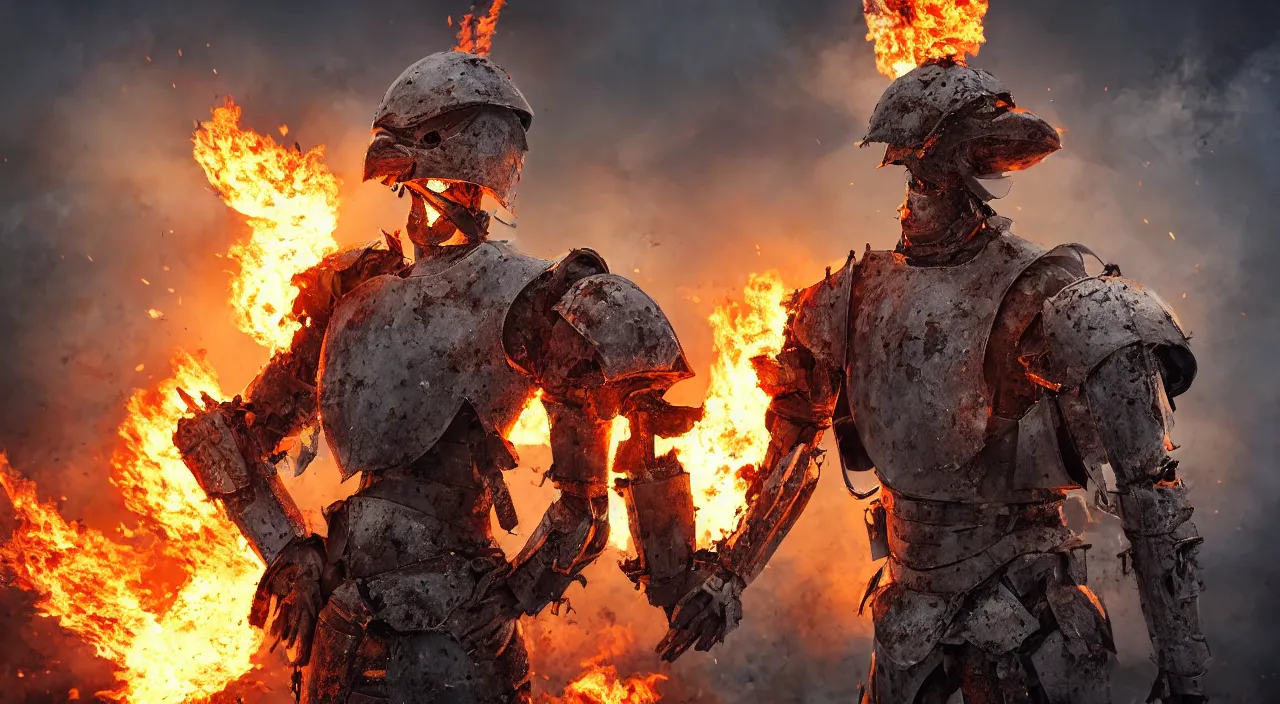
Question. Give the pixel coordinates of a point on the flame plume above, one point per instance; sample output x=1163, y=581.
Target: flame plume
x=475, y=34
x=174, y=644
x=908, y=33
x=732, y=433
x=291, y=201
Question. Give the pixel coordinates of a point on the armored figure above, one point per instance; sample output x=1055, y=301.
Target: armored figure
x=416, y=372
x=982, y=378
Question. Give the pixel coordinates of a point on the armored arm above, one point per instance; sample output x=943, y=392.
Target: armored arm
x=609, y=345
x=232, y=448
x=1119, y=356
x=804, y=381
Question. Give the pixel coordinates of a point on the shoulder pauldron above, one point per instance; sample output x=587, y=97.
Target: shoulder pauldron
x=626, y=328
x=1091, y=319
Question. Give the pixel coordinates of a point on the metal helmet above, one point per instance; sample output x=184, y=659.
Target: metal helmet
x=452, y=116
x=946, y=121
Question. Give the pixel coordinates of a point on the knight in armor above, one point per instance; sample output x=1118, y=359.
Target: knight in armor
x=981, y=378
x=416, y=372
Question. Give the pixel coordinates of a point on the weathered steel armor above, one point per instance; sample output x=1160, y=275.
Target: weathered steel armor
x=982, y=378
x=416, y=373
x=426, y=322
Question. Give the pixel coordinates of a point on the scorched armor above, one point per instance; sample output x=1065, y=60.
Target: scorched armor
x=982, y=377
x=416, y=372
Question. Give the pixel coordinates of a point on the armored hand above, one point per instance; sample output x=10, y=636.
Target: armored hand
x=706, y=614
x=292, y=584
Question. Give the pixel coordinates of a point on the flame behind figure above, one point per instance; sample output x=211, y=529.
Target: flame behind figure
x=731, y=435
x=600, y=685
x=908, y=33
x=475, y=34
x=170, y=645
x=291, y=200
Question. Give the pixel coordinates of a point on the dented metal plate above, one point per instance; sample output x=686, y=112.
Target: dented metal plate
x=402, y=355
x=821, y=320
x=626, y=327
x=1091, y=319
x=915, y=368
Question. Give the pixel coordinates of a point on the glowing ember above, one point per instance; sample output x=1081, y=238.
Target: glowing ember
x=291, y=201
x=732, y=432
x=532, y=428
x=173, y=638
x=600, y=685
x=475, y=34
x=907, y=33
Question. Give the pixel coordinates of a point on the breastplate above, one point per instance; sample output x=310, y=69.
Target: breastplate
x=402, y=355
x=915, y=364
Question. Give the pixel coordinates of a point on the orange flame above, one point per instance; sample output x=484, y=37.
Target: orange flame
x=475, y=34
x=908, y=33
x=600, y=685
x=171, y=644
x=732, y=433
x=291, y=201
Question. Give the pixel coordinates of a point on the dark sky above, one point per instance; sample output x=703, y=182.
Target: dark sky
x=675, y=137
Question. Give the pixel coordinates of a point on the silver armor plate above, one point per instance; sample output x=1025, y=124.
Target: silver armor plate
x=402, y=356
x=915, y=368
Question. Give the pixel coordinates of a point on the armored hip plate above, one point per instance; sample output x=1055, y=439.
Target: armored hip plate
x=402, y=355
x=915, y=364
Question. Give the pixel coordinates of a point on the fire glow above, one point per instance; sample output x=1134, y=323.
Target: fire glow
x=171, y=639
x=908, y=33
x=291, y=201
x=167, y=603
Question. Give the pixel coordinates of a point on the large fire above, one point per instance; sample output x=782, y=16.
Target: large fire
x=732, y=433
x=907, y=33
x=291, y=201
x=167, y=603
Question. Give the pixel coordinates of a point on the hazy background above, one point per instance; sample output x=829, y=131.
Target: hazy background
x=691, y=143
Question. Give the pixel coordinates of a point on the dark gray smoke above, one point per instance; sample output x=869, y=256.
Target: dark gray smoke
x=691, y=143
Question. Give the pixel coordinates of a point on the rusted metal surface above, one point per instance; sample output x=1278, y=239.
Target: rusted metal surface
x=445, y=332
x=1091, y=319
x=916, y=104
x=627, y=329
x=446, y=81
x=217, y=447
x=821, y=318
x=916, y=383
x=452, y=116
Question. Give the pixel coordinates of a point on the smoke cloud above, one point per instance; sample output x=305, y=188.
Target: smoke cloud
x=691, y=144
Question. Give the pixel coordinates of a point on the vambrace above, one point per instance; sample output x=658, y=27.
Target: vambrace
x=218, y=448
x=575, y=529
x=778, y=496
x=1127, y=397
x=659, y=498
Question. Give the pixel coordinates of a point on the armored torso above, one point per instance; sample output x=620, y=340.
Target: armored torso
x=402, y=355
x=915, y=364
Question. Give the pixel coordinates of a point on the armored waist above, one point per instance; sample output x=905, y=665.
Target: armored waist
x=943, y=547
x=370, y=535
